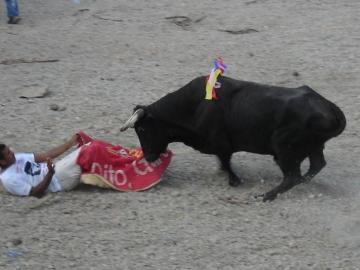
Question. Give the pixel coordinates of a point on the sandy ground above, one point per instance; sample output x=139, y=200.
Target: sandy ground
x=115, y=54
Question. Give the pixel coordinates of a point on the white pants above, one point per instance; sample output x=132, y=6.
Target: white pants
x=68, y=171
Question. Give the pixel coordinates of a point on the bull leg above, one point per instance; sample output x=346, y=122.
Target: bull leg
x=289, y=151
x=234, y=180
x=292, y=177
x=317, y=162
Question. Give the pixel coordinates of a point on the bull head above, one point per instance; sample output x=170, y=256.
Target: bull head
x=151, y=132
x=133, y=119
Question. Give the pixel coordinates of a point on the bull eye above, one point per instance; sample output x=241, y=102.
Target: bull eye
x=141, y=129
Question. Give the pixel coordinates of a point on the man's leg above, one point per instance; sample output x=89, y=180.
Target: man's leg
x=68, y=171
x=12, y=11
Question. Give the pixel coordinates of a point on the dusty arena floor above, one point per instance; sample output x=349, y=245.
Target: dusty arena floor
x=100, y=58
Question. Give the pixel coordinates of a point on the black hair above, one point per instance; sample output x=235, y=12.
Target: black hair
x=2, y=147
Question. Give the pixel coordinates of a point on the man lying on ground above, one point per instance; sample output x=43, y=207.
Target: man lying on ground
x=94, y=162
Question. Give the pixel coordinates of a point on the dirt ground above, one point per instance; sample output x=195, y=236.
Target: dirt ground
x=104, y=57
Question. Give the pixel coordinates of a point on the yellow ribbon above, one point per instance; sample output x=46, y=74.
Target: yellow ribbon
x=211, y=83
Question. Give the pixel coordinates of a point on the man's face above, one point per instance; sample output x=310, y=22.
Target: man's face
x=8, y=157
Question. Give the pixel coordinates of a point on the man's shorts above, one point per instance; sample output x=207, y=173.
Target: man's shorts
x=68, y=171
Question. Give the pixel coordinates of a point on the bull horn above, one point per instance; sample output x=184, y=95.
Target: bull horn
x=133, y=119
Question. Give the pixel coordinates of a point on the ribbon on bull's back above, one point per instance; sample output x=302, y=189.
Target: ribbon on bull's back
x=113, y=166
x=218, y=69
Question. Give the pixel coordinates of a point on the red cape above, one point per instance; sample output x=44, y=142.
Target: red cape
x=117, y=167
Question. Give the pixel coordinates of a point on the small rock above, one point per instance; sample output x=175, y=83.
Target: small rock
x=54, y=107
x=16, y=242
x=274, y=253
x=296, y=74
x=33, y=91
x=284, y=215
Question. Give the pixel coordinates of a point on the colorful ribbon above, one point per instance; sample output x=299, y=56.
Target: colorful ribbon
x=218, y=69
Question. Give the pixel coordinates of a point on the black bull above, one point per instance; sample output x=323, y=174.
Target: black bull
x=290, y=124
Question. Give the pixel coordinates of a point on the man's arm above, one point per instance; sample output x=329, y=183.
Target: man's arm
x=39, y=190
x=57, y=151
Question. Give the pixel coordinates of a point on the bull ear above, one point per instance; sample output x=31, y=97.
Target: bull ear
x=133, y=119
x=145, y=108
x=137, y=107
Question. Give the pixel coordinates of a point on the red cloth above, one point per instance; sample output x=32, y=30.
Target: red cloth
x=123, y=169
x=83, y=138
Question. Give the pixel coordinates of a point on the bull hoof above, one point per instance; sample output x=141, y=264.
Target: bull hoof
x=235, y=181
x=269, y=196
x=256, y=196
x=307, y=178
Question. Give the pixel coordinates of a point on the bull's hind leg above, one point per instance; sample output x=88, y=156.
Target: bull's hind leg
x=234, y=180
x=317, y=162
x=290, y=149
x=290, y=167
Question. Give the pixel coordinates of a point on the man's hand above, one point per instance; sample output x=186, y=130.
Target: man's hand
x=39, y=190
x=57, y=151
x=51, y=167
x=74, y=139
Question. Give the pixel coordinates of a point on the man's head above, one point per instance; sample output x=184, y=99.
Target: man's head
x=7, y=157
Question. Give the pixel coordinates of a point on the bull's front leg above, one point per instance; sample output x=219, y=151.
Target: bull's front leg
x=234, y=180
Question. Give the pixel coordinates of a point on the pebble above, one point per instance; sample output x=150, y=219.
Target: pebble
x=54, y=107
x=32, y=91
x=296, y=74
x=274, y=253
x=16, y=241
